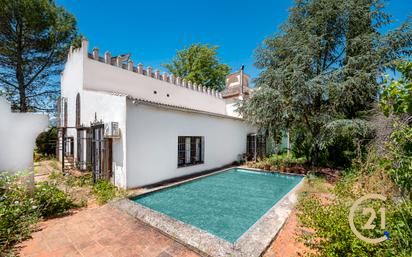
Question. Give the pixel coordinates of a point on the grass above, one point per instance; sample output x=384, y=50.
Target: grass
x=316, y=184
x=102, y=191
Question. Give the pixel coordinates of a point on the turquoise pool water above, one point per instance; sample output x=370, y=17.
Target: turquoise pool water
x=226, y=204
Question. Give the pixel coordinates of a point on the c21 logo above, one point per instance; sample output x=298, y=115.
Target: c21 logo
x=372, y=216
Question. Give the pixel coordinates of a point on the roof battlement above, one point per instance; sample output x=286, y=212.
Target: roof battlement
x=127, y=64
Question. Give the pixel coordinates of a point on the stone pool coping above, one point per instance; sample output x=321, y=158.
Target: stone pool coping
x=252, y=243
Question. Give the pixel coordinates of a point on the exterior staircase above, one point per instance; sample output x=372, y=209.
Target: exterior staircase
x=69, y=163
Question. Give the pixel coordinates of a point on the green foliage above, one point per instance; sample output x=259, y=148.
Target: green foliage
x=35, y=37
x=321, y=70
x=397, y=95
x=18, y=211
x=199, y=64
x=400, y=222
x=344, y=139
x=332, y=229
x=397, y=101
x=21, y=207
x=46, y=142
x=81, y=181
x=51, y=200
x=280, y=160
x=70, y=180
x=333, y=236
x=104, y=191
x=401, y=161
x=56, y=175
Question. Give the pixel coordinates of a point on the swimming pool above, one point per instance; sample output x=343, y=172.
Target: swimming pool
x=226, y=204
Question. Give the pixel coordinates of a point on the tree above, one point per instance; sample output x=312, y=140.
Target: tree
x=326, y=62
x=397, y=94
x=199, y=64
x=34, y=39
x=46, y=142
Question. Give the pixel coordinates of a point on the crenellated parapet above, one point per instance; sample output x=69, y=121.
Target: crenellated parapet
x=125, y=63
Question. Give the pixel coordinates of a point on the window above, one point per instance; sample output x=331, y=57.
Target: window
x=61, y=112
x=255, y=146
x=190, y=151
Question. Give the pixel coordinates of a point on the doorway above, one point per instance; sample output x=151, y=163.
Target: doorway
x=101, y=153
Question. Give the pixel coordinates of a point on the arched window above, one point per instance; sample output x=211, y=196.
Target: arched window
x=78, y=110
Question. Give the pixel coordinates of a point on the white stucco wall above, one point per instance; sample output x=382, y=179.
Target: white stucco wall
x=72, y=76
x=71, y=81
x=231, y=106
x=147, y=150
x=106, y=106
x=152, y=142
x=18, y=133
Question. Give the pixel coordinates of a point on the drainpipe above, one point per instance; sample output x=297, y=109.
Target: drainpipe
x=63, y=149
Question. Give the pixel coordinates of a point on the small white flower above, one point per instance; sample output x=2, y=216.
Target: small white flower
x=34, y=207
x=16, y=202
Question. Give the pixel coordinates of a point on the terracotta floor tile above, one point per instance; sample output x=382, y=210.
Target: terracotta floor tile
x=83, y=234
x=93, y=249
x=164, y=254
x=118, y=234
x=68, y=251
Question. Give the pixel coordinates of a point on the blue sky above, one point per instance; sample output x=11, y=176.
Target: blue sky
x=152, y=31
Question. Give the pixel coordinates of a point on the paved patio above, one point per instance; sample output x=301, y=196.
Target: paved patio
x=101, y=231
x=105, y=231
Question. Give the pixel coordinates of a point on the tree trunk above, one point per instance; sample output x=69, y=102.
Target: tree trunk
x=19, y=66
x=22, y=90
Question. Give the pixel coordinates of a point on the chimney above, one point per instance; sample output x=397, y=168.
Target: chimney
x=241, y=79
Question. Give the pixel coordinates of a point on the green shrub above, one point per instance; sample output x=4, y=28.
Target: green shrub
x=51, y=201
x=280, y=160
x=46, y=142
x=18, y=212
x=396, y=101
x=399, y=221
x=70, y=180
x=104, y=191
x=21, y=207
x=399, y=163
x=332, y=234
x=81, y=181
x=56, y=175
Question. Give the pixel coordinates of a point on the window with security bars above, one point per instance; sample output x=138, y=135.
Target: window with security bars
x=190, y=151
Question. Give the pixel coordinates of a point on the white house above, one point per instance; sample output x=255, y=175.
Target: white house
x=138, y=127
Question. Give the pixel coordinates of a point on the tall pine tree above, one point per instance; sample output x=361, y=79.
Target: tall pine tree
x=34, y=39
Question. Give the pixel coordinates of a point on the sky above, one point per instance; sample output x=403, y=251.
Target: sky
x=152, y=31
